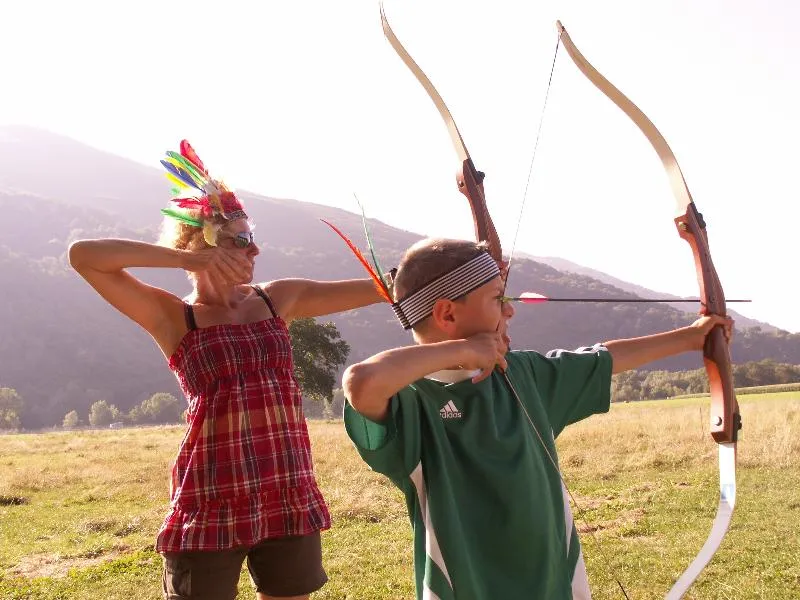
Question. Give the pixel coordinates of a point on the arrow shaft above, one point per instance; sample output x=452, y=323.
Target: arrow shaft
x=612, y=300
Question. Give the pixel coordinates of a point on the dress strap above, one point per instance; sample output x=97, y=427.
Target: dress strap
x=188, y=313
x=266, y=299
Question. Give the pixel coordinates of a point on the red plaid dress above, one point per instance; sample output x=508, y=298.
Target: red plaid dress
x=243, y=471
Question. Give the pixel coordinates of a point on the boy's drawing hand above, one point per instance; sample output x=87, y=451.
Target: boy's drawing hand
x=484, y=352
x=705, y=324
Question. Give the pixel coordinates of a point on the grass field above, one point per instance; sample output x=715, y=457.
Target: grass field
x=79, y=510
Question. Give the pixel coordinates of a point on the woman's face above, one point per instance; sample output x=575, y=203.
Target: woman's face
x=238, y=237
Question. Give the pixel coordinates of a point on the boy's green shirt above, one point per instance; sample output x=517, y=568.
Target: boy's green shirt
x=486, y=503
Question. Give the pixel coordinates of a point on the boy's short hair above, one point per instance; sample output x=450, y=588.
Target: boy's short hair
x=429, y=259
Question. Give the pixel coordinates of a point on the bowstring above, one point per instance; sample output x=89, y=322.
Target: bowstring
x=533, y=159
x=581, y=514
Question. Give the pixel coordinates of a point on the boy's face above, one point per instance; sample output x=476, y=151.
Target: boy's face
x=482, y=310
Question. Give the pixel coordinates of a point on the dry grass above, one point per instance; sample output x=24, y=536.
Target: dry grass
x=79, y=511
x=659, y=435
x=351, y=489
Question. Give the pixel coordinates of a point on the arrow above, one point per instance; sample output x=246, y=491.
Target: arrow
x=534, y=298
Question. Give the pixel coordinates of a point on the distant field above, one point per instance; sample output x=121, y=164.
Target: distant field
x=79, y=511
x=764, y=390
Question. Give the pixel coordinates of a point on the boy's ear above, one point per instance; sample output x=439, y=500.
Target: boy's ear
x=443, y=314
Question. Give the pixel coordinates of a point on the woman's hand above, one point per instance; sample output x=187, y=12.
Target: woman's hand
x=232, y=266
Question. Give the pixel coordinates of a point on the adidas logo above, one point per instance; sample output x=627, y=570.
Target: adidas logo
x=450, y=411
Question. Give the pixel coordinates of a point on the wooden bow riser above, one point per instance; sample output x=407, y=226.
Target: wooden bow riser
x=724, y=416
x=470, y=183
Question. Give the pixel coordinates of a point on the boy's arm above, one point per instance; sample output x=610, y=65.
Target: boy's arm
x=370, y=385
x=634, y=352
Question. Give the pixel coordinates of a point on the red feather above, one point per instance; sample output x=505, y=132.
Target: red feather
x=379, y=283
x=189, y=154
x=200, y=204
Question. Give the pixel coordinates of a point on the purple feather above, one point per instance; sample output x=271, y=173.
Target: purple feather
x=181, y=174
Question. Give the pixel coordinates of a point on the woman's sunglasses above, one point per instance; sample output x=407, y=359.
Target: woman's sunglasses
x=242, y=239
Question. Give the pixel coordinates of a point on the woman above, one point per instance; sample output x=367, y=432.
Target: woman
x=242, y=484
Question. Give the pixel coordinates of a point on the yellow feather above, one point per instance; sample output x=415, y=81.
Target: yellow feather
x=210, y=233
x=177, y=181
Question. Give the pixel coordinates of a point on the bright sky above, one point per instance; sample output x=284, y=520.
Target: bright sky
x=307, y=100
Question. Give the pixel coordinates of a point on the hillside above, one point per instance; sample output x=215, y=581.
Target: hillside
x=63, y=348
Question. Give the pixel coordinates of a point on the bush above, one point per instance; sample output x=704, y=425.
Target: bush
x=71, y=420
x=101, y=414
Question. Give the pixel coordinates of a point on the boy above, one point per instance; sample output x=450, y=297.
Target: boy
x=473, y=447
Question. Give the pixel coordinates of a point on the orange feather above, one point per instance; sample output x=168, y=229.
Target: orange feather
x=379, y=283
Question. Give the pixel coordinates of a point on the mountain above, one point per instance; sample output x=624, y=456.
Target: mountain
x=62, y=347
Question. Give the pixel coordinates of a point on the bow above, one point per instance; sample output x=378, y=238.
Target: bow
x=468, y=178
x=724, y=414
x=725, y=418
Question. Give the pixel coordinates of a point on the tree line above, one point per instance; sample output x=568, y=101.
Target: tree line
x=319, y=353
x=160, y=408
x=632, y=386
x=317, y=350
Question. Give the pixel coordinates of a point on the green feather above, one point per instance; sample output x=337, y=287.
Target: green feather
x=182, y=217
x=369, y=240
x=201, y=178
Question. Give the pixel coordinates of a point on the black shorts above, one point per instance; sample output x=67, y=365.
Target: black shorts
x=288, y=566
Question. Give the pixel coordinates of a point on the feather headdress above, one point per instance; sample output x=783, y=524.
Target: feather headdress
x=378, y=280
x=200, y=196
x=383, y=281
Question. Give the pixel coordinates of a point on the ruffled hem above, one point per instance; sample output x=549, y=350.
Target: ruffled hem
x=243, y=521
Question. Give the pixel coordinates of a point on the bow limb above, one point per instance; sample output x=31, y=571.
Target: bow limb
x=468, y=178
x=724, y=414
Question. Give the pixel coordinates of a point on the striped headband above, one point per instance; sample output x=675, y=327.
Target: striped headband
x=469, y=276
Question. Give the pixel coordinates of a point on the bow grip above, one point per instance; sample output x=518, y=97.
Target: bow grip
x=725, y=420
